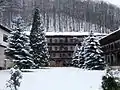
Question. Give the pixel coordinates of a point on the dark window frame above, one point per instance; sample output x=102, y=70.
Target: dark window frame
x=5, y=38
x=55, y=40
x=61, y=40
x=54, y=54
x=56, y=48
x=50, y=40
x=50, y=48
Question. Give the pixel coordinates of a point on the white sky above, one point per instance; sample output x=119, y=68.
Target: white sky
x=115, y=2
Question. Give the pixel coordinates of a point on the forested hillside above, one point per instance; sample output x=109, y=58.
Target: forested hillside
x=98, y=13
x=65, y=15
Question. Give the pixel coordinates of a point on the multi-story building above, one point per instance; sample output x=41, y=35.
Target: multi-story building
x=61, y=45
x=4, y=33
x=111, y=47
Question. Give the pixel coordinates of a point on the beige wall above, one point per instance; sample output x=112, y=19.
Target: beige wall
x=2, y=56
x=3, y=44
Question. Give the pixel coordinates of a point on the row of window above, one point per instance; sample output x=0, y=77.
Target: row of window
x=65, y=40
x=112, y=46
x=60, y=40
x=61, y=55
x=113, y=59
x=61, y=48
x=5, y=38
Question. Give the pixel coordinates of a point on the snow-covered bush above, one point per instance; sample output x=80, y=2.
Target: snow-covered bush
x=111, y=81
x=15, y=79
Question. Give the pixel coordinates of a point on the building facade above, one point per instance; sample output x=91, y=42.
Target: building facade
x=61, y=46
x=4, y=33
x=111, y=47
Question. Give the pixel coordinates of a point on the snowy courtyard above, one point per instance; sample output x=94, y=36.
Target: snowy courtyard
x=63, y=78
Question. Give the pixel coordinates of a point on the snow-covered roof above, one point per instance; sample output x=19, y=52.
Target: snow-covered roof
x=110, y=34
x=3, y=27
x=110, y=37
x=69, y=33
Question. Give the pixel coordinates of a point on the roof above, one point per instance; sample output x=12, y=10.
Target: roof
x=110, y=37
x=5, y=28
x=2, y=46
x=71, y=34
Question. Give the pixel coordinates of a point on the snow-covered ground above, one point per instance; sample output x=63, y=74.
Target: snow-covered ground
x=63, y=78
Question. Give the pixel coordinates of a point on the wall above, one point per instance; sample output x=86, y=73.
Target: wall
x=2, y=56
x=3, y=45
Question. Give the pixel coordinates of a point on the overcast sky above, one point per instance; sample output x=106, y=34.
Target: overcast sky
x=115, y=2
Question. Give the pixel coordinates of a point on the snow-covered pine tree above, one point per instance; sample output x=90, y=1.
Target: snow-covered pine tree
x=76, y=54
x=18, y=48
x=81, y=58
x=78, y=59
x=92, y=54
x=26, y=62
x=38, y=41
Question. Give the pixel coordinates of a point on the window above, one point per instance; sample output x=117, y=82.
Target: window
x=118, y=44
x=69, y=54
x=60, y=55
x=71, y=40
x=115, y=45
x=71, y=48
x=54, y=54
x=111, y=60
x=61, y=48
x=5, y=38
x=61, y=41
x=50, y=40
x=50, y=48
x=111, y=46
x=64, y=55
x=55, y=40
x=56, y=48
x=66, y=40
x=66, y=48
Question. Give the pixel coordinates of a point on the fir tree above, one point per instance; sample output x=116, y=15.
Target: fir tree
x=18, y=48
x=76, y=54
x=77, y=59
x=26, y=62
x=92, y=54
x=81, y=58
x=38, y=41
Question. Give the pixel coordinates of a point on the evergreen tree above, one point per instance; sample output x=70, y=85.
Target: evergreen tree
x=81, y=58
x=18, y=48
x=75, y=58
x=38, y=41
x=92, y=54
